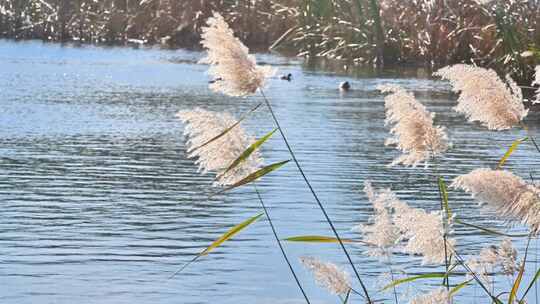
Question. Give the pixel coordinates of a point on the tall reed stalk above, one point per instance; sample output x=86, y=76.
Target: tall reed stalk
x=278, y=241
x=304, y=177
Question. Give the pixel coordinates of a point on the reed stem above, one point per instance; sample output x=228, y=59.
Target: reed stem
x=475, y=277
x=529, y=135
x=446, y=280
x=280, y=245
x=444, y=214
x=342, y=245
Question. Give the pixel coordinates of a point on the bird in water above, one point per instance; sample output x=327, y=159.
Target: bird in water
x=345, y=86
x=216, y=80
x=287, y=77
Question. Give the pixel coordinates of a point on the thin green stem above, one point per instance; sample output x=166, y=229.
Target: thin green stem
x=392, y=277
x=446, y=280
x=468, y=269
x=444, y=213
x=529, y=135
x=279, y=244
x=293, y=155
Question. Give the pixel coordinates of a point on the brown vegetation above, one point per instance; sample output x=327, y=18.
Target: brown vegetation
x=430, y=32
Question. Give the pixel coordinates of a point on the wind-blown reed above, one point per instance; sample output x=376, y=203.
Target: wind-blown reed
x=509, y=195
x=409, y=230
x=234, y=69
x=437, y=296
x=328, y=275
x=490, y=258
x=412, y=127
x=201, y=127
x=484, y=97
x=381, y=232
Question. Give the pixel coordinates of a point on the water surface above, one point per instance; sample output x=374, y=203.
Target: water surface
x=101, y=205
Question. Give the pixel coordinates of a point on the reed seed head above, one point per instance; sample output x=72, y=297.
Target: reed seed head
x=412, y=128
x=414, y=230
x=328, y=275
x=484, y=97
x=381, y=232
x=437, y=296
x=425, y=233
x=503, y=257
x=509, y=195
x=230, y=61
x=200, y=127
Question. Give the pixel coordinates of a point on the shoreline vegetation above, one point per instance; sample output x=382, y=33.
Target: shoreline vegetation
x=503, y=35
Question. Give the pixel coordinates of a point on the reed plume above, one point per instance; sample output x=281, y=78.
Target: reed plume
x=509, y=195
x=230, y=62
x=381, y=233
x=216, y=156
x=503, y=257
x=424, y=232
x=437, y=296
x=412, y=127
x=485, y=97
x=328, y=275
x=417, y=231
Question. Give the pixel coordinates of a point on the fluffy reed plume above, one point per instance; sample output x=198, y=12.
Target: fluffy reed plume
x=202, y=126
x=485, y=97
x=418, y=232
x=506, y=193
x=381, y=233
x=437, y=296
x=230, y=63
x=537, y=82
x=424, y=233
x=507, y=255
x=503, y=257
x=328, y=275
x=413, y=130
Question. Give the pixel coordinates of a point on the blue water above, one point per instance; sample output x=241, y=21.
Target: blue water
x=99, y=203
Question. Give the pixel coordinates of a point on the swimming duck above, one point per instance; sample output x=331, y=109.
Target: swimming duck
x=216, y=80
x=287, y=77
x=345, y=86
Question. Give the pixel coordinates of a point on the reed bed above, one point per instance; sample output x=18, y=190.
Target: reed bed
x=220, y=145
x=435, y=33
x=135, y=22
x=494, y=34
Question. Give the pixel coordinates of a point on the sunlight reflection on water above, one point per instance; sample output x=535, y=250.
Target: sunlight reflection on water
x=100, y=204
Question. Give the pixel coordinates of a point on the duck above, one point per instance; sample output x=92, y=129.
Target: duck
x=345, y=86
x=287, y=77
x=215, y=80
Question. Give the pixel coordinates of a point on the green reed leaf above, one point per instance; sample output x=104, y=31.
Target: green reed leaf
x=487, y=230
x=249, y=151
x=414, y=278
x=222, y=239
x=517, y=282
x=459, y=286
x=531, y=284
x=444, y=196
x=244, y=116
x=317, y=239
x=346, y=300
x=510, y=150
x=230, y=233
x=256, y=175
